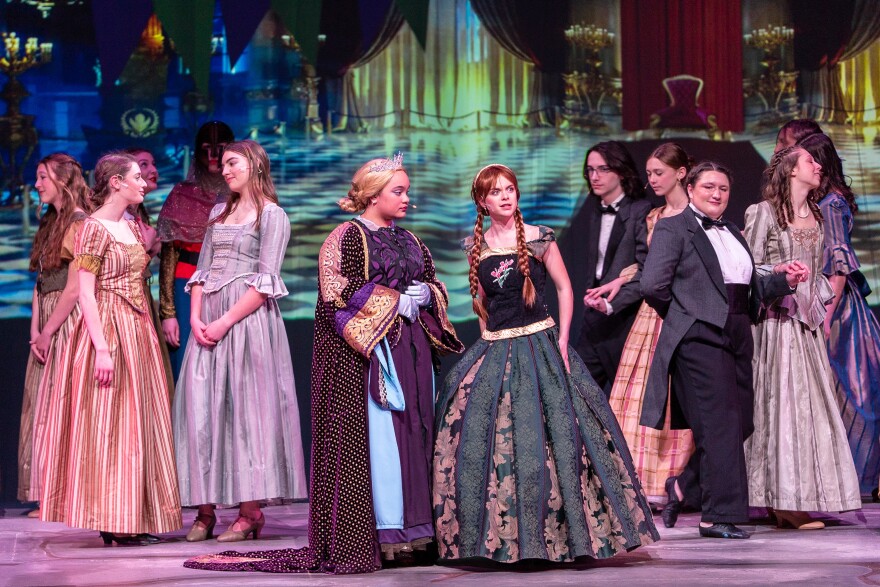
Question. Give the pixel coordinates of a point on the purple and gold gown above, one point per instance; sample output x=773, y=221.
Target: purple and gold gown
x=853, y=345
x=363, y=270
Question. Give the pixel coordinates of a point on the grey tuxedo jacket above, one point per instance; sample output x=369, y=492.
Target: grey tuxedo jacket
x=682, y=280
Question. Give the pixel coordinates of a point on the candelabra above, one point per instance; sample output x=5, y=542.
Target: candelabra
x=587, y=86
x=18, y=137
x=774, y=84
x=46, y=6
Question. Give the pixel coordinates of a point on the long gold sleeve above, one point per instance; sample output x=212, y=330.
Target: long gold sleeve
x=167, y=268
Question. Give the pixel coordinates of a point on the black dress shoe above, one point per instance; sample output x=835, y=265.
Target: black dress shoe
x=150, y=538
x=124, y=540
x=723, y=530
x=673, y=504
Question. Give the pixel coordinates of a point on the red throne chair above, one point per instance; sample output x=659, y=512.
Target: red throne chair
x=683, y=111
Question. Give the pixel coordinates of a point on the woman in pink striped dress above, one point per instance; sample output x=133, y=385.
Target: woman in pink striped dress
x=117, y=474
x=63, y=190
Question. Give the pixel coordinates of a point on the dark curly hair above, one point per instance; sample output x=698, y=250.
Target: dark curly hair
x=821, y=147
x=621, y=162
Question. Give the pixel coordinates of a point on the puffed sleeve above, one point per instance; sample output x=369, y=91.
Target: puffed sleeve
x=838, y=258
x=362, y=312
x=206, y=256
x=90, y=246
x=274, y=236
x=69, y=241
x=539, y=245
x=758, y=234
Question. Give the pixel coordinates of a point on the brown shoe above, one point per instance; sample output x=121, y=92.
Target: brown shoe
x=202, y=528
x=797, y=520
x=246, y=526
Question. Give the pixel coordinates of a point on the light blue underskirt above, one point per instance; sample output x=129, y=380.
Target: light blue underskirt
x=385, y=471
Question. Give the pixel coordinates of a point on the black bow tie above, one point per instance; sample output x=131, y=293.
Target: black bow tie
x=709, y=223
x=608, y=210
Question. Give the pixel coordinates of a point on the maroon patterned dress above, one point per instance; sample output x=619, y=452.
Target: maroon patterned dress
x=362, y=273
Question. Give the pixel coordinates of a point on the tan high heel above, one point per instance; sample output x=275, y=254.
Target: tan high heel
x=797, y=520
x=200, y=530
x=253, y=527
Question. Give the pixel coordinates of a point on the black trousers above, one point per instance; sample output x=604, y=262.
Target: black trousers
x=712, y=380
x=601, y=342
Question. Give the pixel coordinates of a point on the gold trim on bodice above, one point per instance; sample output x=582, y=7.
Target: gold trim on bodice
x=544, y=324
x=486, y=253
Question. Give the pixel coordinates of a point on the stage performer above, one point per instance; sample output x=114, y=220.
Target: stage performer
x=181, y=227
x=54, y=310
x=699, y=276
x=116, y=470
x=616, y=238
x=657, y=454
x=852, y=333
x=236, y=420
x=529, y=461
x=790, y=470
x=379, y=321
x=152, y=244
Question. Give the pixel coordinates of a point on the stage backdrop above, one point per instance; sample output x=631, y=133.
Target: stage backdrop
x=326, y=85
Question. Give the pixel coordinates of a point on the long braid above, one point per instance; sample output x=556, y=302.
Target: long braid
x=522, y=253
x=473, y=273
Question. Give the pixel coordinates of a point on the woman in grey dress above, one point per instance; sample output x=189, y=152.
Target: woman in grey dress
x=236, y=421
x=798, y=458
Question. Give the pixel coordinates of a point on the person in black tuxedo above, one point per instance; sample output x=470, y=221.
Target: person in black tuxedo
x=616, y=241
x=700, y=277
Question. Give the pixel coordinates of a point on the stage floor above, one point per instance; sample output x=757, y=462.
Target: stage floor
x=38, y=553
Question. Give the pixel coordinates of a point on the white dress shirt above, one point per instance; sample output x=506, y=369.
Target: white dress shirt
x=605, y=233
x=734, y=258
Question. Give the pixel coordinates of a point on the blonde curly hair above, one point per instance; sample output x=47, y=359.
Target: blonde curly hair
x=367, y=183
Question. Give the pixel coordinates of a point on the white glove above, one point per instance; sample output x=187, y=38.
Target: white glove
x=408, y=308
x=420, y=292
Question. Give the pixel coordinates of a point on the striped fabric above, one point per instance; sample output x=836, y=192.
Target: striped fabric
x=32, y=377
x=39, y=383
x=656, y=454
x=117, y=473
x=41, y=400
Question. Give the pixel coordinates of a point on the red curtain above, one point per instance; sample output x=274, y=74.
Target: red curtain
x=663, y=38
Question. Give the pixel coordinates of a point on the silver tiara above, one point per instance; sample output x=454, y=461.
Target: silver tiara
x=393, y=164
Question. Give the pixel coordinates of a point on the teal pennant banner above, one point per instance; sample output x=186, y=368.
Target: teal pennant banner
x=303, y=19
x=415, y=12
x=189, y=25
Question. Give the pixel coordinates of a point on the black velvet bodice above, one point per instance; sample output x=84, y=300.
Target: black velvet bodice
x=396, y=257
x=502, y=283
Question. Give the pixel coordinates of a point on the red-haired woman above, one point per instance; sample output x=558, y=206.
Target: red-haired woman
x=529, y=461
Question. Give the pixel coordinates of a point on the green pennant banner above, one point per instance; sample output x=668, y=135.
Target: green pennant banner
x=415, y=12
x=189, y=24
x=303, y=19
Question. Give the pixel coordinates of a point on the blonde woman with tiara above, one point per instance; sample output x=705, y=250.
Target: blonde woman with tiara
x=529, y=461
x=236, y=421
x=379, y=323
